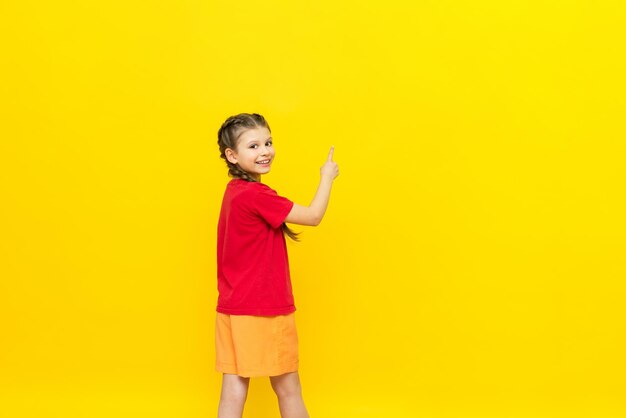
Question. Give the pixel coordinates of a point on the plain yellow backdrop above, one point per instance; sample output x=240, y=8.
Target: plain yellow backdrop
x=471, y=261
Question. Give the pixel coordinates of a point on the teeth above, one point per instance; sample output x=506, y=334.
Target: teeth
x=263, y=162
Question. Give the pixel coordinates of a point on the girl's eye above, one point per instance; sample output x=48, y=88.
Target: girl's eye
x=254, y=145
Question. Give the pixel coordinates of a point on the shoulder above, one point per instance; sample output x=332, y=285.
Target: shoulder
x=251, y=189
x=247, y=192
x=258, y=187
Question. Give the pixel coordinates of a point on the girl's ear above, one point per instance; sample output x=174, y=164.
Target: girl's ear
x=230, y=155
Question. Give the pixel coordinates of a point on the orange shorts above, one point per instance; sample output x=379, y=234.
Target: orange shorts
x=252, y=346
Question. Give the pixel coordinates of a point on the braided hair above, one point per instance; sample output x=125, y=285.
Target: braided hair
x=228, y=136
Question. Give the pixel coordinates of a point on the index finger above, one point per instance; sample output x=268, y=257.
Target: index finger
x=330, y=154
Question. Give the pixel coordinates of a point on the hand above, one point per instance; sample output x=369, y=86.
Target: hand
x=330, y=168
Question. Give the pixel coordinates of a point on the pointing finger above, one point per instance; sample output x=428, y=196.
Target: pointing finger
x=330, y=154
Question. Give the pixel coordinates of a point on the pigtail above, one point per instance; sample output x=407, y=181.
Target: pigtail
x=291, y=233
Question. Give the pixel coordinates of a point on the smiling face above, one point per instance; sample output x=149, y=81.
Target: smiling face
x=254, y=153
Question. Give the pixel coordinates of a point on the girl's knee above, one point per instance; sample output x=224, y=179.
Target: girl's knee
x=287, y=384
x=234, y=387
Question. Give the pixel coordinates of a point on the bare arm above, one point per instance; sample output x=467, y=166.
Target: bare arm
x=312, y=215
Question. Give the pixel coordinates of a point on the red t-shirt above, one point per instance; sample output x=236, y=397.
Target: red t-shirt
x=252, y=263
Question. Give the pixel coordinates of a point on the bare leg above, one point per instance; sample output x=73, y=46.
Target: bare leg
x=289, y=392
x=233, y=397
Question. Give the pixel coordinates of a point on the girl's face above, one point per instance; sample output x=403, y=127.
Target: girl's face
x=254, y=153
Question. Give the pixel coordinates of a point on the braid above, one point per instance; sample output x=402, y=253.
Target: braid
x=235, y=171
x=227, y=137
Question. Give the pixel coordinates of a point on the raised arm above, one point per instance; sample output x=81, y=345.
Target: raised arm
x=312, y=215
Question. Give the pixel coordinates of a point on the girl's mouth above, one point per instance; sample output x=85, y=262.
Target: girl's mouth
x=264, y=162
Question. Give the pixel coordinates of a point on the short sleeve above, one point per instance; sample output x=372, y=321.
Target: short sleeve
x=270, y=206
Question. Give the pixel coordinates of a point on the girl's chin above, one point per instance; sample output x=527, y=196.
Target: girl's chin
x=260, y=171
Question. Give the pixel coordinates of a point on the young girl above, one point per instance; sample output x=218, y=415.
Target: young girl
x=255, y=329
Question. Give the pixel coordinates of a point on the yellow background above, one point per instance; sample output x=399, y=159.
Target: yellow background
x=471, y=261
